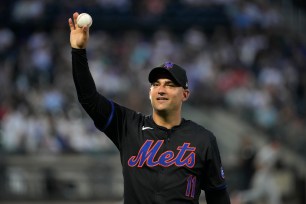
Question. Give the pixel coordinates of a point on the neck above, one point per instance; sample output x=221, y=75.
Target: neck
x=167, y=120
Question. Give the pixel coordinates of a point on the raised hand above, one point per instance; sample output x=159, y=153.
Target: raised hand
x=78, y=36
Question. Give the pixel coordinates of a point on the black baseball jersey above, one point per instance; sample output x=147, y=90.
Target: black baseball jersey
x=159, y=165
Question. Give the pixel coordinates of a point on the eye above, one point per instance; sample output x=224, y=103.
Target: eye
x=171, y=85
x=155, y=84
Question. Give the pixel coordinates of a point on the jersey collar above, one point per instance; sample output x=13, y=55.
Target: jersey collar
x=183, y=122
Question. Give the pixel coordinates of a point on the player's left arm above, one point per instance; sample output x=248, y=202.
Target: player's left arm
x=217, y=197
x=213, y=181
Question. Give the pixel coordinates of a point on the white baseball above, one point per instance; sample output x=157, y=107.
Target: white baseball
x=84, y=19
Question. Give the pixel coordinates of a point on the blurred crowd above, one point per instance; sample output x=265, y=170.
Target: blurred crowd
x=251, y=65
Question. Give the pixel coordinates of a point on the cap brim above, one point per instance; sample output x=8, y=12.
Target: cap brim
x=159, y=72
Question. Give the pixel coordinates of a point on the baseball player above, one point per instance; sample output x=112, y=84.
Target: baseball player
x=165, y=158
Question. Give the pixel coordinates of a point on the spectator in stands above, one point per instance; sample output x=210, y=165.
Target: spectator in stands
x=264, y=185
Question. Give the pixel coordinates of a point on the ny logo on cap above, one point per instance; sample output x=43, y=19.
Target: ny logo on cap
x=168, y=65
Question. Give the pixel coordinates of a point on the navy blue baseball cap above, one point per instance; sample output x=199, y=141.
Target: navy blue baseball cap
x=173, y=71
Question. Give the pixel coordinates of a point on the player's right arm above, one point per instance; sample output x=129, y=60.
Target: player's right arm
x=100, y=109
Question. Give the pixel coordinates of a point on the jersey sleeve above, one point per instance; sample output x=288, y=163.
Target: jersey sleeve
x=102, y=111
x=217, y=197
x=213, y=178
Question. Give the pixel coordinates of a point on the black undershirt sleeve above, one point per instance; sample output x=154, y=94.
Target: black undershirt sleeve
x=96, y=105
x=217, y=197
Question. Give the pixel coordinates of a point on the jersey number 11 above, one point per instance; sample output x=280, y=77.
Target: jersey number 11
x=191, y=184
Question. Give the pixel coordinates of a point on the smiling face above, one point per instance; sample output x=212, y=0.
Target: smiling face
x=166, y=96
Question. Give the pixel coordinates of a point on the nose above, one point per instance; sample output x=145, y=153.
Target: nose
x=161, y=90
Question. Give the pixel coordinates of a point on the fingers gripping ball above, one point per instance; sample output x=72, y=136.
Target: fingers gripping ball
x=84, y=19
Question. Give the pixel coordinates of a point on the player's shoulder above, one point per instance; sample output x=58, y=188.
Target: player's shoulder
x=128, y=112
x=200, y=129
x=197, y=127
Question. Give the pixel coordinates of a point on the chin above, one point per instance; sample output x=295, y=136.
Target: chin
x=160, y=109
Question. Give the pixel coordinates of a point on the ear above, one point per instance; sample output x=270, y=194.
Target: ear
x=150, y=93
x=186, y=94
